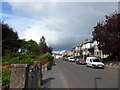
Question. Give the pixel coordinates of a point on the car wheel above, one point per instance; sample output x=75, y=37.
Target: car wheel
x=93, y=67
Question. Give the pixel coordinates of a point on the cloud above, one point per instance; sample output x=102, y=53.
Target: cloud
x=61, y=0
x=62, y=24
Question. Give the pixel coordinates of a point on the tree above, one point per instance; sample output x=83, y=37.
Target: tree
x=43, y=46
x=42, y=40
x=107, y=33
x=29, y=47
x=10, y=39
x=33, y=47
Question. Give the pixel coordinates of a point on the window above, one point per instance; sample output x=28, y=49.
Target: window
x=96, y=60
x=90, y=60
x=97, y=53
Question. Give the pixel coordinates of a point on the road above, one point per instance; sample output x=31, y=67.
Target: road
x=80, y=76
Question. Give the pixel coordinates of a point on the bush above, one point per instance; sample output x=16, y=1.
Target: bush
x=5, y=78
x=110, y=58
x=66, y=56
x=8, y=55
x=48, y=57
x=29, y=59
x=81, y=56
x=11, y=61
x=0, y=80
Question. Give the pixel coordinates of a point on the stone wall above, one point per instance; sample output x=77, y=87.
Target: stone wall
x=114, y=64
x=26, y=76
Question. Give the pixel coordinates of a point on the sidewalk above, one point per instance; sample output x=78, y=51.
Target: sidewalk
x=54, y=78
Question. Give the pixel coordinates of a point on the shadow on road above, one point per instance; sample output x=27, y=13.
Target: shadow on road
x=47, y=80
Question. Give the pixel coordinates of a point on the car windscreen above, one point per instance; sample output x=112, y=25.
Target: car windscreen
x=71, y=58
x=96, y=60
x=81, y=59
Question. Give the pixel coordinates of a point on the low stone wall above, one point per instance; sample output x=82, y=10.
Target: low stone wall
x=26, y=76
x=18, y=75
x=112, y=64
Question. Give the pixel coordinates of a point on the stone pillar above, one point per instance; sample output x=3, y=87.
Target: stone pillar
x=37, y=74
x=18, y=75
x=45, y=67
x=29, y=79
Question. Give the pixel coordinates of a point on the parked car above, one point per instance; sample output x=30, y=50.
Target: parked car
x=65, y=58
x=71, y=59
x=80, y=61
x=94, y=62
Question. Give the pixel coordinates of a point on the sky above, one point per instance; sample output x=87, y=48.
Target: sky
x=63, y=24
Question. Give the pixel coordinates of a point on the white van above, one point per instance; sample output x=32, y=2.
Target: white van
x=94, y=62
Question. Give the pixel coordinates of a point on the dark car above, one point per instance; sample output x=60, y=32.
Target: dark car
x=80, y=61
x=65, y=58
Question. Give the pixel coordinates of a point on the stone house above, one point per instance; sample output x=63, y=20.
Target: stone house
x=69, y=53
x=89, y=48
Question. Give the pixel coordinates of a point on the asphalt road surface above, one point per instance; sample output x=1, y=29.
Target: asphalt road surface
x=81, y=76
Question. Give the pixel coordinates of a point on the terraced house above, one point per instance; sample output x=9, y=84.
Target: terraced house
x=89, y=48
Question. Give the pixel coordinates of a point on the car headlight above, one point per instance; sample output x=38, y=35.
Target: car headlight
x=94, y=64
x=101, y=64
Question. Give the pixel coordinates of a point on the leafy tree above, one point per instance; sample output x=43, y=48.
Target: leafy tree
x=42, y=40
x=29, y=47
x=107, y=33
x=33, y=47
x=10, y=40
x=43, y=46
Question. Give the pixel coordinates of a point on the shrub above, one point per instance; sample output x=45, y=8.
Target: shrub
x=5, y=78
x=12, y=61
x=48, y=57
x=110, y=58
x=8, y=55
x=0, y=75
x=81, y=56
x=66, y=56
x=29, y=59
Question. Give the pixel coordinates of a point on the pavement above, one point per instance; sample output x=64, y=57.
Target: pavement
x=70, y=75
x=54, y=78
